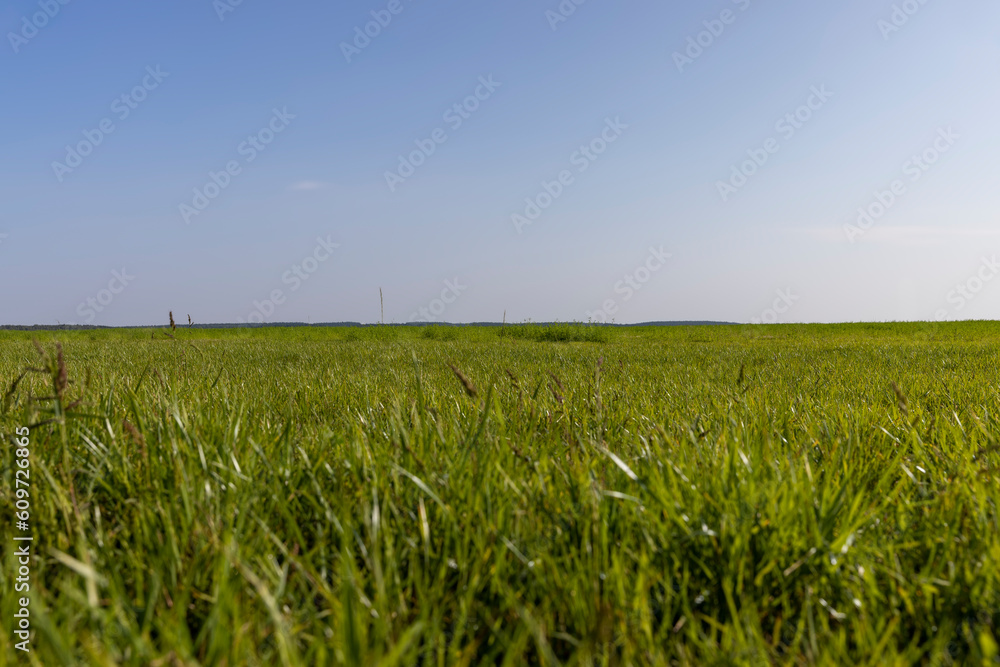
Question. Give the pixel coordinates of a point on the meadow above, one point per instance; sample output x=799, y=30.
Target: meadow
x=532, y=495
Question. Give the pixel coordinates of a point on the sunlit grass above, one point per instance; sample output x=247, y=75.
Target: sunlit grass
x=707, y=495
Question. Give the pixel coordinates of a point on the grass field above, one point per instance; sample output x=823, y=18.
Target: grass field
x=571, y=495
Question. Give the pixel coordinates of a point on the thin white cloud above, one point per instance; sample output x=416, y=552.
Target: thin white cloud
x=305, y=186
x=897, y=234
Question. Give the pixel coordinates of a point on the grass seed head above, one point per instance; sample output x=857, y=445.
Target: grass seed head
x=133, y=432
x=904, y=405
x=61, y=377
x=470, y=388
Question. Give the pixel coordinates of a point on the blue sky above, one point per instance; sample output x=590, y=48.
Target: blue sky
x=672, y=180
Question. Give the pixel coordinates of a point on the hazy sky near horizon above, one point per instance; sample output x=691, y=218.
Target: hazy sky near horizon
x=641, y=161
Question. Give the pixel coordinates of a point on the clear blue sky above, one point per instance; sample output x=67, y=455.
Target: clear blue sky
x=649, y=223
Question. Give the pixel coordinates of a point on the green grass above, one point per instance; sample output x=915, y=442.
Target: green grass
x=705, y=495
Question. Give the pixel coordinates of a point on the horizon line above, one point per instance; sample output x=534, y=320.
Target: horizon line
x=353, y=324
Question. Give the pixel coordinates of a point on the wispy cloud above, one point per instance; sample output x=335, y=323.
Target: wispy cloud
x=899, y=234
x=305, y=186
